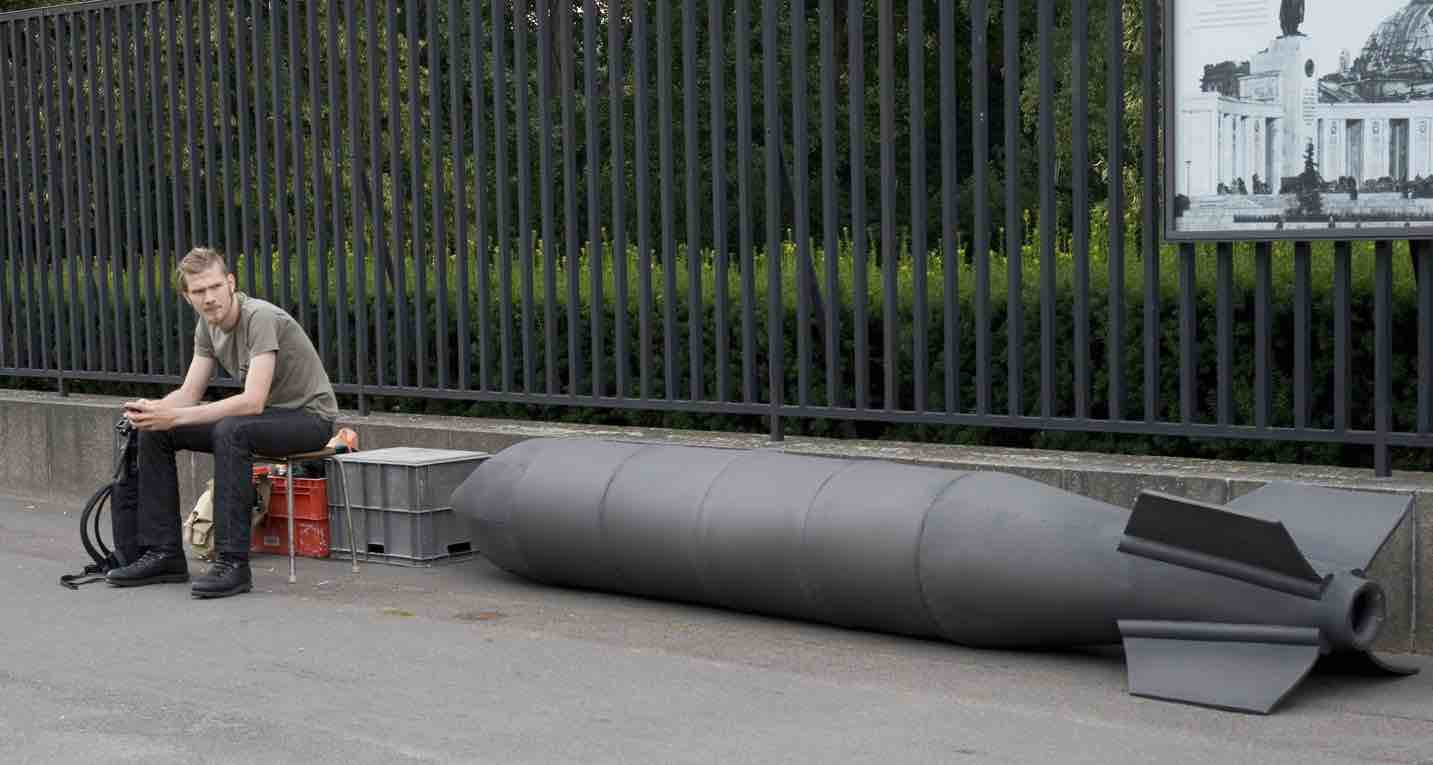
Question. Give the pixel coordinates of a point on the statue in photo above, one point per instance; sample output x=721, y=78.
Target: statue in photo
x=1291, y=15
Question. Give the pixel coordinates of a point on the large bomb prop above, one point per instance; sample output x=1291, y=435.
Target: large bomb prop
x=1228, y=606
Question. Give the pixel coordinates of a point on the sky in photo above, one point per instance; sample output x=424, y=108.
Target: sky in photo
x=1234, y=30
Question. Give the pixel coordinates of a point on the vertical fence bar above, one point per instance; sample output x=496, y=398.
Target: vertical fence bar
x=1014, y=235
x=886, y=75
x=615, y=78
x=8, y=264
x=1114, y=113
x=526, y=246
x=717, y=51
x=500, y=144
x=355, y=207
x=1148, y=208
x=1342, y=337
x=690, y=160
x=1045, y=20
x=915, y=52
x=801, y=207
x=980, y=149
x=296, y=112
x=226, y=140
x=159, y=186
x=320, y=229
x=641, y=150
x=112, y=221
x=281, y=158
x=125, y=19
x=67, y=208
x=415, y=190
x=376, y=212
x=743, y=188
x=479, y=195
x=35, y=274
x=856, y=109
x=1079, y=202
x=104, y=252
x=1188, y=336
x=13, y=263
x=439, y=203
x=29, y=207
x=339, y=238
x=569, y=197
x=62, y=123
x=401, y=355
x=669, y=241
x=1224, y=307
x=1302, y=361
x=194, y=104
x=144, y=111
x=24, y=226
x=829, y=245
x=169, y=224
x=549, y=252
x=950, y=253
x=1263, y=290
x=56, y=248
x=460, y=201
x=242, y=52
x=213, y=237
x=594, y=201
x=1423, y=260
x=772, y=136
x=1383, y=355
x=262, y=166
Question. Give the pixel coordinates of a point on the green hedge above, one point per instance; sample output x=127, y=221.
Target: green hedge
x=1320, y=395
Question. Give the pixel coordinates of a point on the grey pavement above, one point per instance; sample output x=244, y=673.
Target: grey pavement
x=464, y=663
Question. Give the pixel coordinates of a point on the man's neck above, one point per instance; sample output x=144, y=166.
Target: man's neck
x=232, y=319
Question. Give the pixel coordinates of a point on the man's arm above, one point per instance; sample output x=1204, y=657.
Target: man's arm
x=166, y=414
x=196, y=381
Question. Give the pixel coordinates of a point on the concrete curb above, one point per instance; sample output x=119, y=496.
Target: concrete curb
x=60, y=450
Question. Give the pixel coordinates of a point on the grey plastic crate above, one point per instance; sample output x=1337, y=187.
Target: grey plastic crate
x=400, y=537
x=403, y=478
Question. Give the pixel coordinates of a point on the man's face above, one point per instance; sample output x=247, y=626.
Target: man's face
x=211, y=292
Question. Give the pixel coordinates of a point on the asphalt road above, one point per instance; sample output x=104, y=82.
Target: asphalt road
x=463, y=663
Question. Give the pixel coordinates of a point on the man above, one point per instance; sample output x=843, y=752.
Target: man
x=287, y=405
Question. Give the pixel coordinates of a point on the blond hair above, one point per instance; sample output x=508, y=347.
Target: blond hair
x=196, y=261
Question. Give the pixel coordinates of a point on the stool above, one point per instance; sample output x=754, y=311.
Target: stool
x=288, y=460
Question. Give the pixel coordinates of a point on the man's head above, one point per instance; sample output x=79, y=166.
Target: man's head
x=204, y=278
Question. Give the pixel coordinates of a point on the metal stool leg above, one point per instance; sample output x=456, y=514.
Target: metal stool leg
x=347, y=511
x=289, y=491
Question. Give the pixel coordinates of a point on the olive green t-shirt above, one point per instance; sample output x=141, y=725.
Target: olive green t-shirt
x=300, y=381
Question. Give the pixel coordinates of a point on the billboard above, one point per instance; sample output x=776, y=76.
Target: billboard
x=1298, y=119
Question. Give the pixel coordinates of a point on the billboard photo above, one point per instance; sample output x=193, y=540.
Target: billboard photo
x=1298, y=119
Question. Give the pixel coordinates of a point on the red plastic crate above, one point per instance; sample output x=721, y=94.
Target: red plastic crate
x=310, y=537
x=310, y=497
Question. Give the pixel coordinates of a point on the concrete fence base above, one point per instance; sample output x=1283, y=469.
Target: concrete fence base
x=60, y=449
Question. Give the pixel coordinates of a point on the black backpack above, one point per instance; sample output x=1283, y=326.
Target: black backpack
x=122, y=496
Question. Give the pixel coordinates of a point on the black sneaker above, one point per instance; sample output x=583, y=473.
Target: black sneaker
x=225, y=576
x=153, y=567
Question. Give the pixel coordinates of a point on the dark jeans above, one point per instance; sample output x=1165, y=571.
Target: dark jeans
x=232, y=441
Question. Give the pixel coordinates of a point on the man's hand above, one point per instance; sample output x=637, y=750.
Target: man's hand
x=145, y=414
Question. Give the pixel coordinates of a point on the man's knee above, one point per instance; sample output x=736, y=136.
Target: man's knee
x=155, y=440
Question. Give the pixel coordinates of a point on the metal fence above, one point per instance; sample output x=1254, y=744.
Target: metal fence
x=370, y=166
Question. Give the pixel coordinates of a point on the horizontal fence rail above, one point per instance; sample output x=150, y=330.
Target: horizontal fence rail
x=915, y=212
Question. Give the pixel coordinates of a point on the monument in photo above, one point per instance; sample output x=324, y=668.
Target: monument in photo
x=1299, y=118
